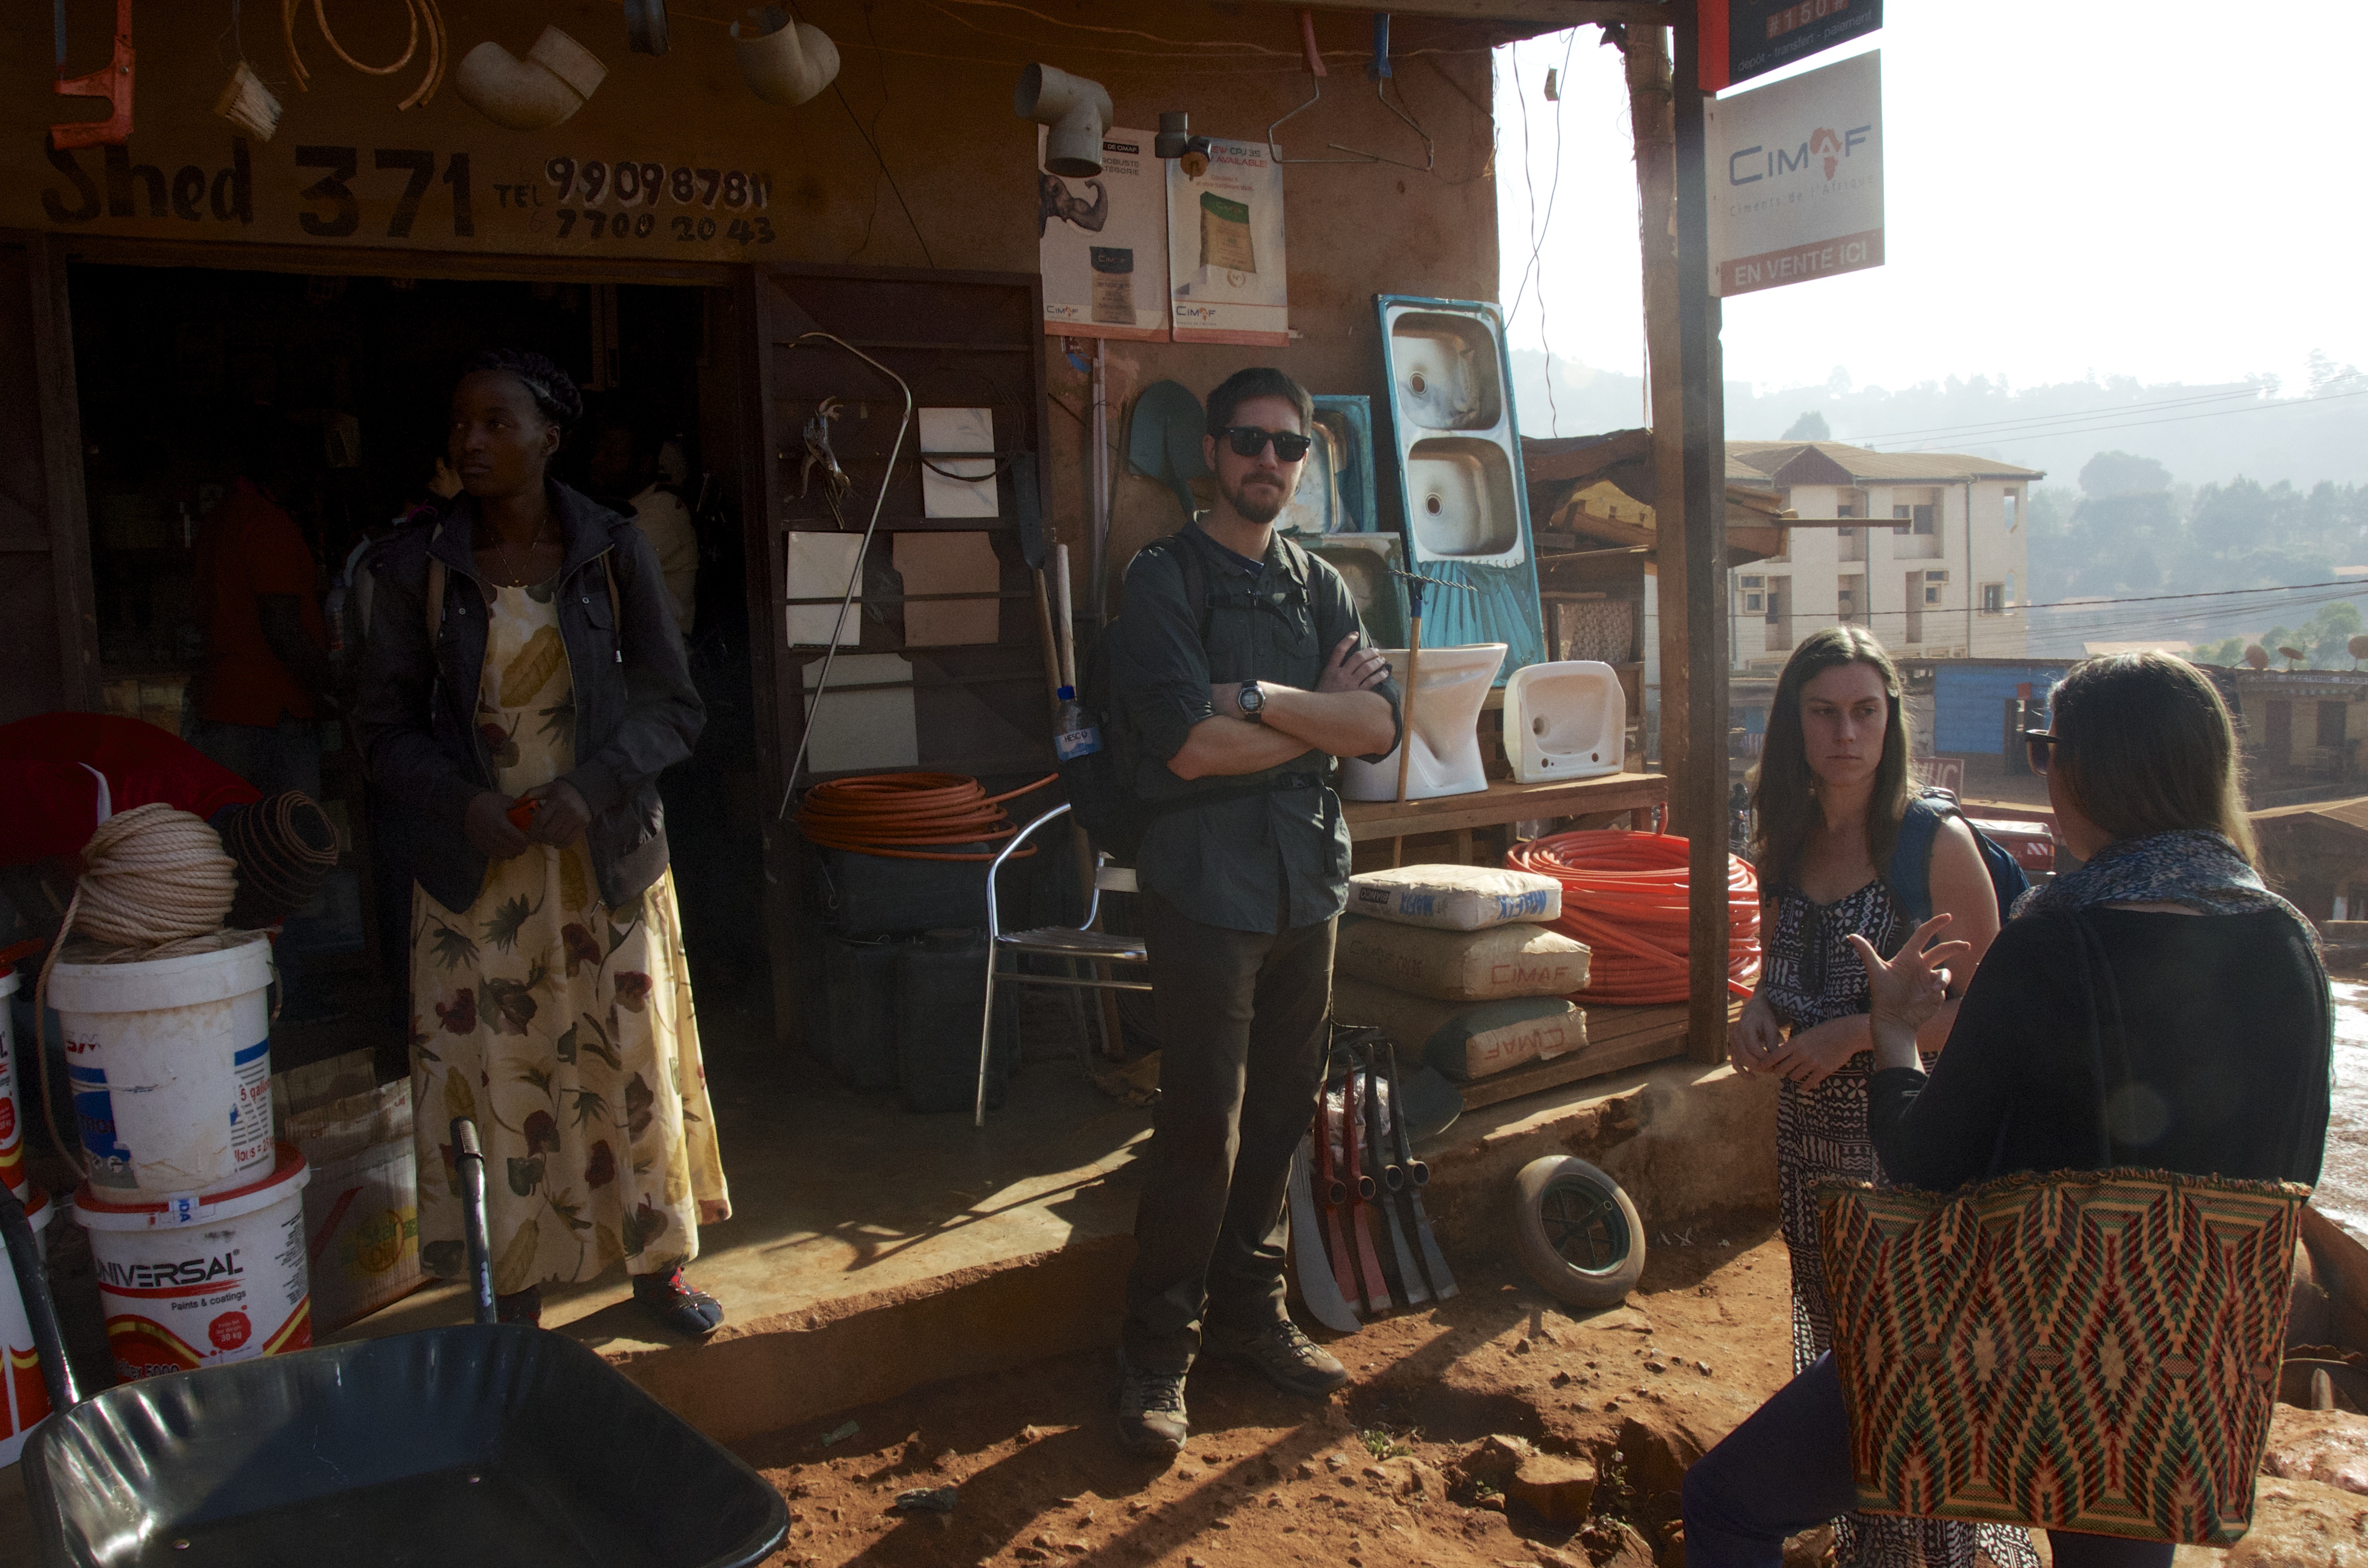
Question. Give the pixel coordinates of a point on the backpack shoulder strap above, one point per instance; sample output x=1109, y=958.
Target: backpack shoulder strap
x=1910, y=875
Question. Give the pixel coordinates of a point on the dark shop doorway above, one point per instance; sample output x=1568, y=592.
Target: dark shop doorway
x=187, y=378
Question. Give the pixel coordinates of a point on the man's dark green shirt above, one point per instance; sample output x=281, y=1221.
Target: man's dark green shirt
x=1274, y=860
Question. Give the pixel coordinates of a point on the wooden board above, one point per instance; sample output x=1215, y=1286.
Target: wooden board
x=1504, y=802
x=1617, y=1040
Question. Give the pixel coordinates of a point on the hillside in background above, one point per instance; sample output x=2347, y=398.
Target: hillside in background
x=2152, y=492
x=2198, y=433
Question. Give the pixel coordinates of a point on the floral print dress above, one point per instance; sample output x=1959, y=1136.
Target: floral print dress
x=564, y=1028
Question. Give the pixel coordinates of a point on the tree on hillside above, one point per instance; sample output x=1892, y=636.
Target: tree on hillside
x=1810, y=426
x=2121, y=473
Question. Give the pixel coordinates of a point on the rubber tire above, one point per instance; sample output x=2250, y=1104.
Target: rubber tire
x=1608, y=1282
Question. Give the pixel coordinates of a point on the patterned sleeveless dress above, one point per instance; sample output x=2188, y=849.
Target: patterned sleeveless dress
x=1811, y=974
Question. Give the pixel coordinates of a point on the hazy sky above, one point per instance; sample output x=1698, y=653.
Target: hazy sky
x=2169, y=190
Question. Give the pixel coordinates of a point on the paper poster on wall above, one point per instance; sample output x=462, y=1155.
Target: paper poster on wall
x=955, y=486
x=1103, y=243
x=1225, y=248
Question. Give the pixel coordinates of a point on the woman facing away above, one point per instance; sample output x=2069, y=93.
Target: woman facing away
x=2210, y=983
x=1833, y=802
x=524, y=649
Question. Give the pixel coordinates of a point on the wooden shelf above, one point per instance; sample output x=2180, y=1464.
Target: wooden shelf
x=1505, y=802
x=1617, y=1040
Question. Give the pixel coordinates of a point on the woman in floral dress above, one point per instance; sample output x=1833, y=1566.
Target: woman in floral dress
x=1829, y=794
x=525, y=654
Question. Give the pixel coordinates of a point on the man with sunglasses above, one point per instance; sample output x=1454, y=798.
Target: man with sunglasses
x=1239, y=670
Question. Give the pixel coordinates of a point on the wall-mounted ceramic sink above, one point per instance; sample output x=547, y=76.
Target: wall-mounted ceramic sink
x=1461, y=499
x=1564, y=721
x=1446, y=372
x=1315, y=506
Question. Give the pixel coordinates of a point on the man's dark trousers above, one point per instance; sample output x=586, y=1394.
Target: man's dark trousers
x=1241, y=1021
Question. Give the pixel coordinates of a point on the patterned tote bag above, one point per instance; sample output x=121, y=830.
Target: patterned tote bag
x=2088, y=1350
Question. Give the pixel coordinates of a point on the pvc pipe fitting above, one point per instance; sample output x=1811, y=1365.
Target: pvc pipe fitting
x=787, y=63
x=534, y=94
x=1077, y=111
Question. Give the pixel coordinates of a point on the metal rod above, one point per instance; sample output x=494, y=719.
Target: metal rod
x=822, y=683
x=1094, y=559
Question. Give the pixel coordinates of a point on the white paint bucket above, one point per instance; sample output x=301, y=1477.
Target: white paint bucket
x=170, y=1063
x=204, y=1281
x=11, y=1102
x=25, y=1398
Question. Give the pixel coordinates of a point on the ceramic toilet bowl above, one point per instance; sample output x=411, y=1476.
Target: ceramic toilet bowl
x=1564, y=721
x=1451, y=685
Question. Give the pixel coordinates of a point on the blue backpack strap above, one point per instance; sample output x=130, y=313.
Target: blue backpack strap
x=1910, y=875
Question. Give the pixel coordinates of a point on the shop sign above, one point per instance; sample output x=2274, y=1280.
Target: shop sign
x=1225, y=248
x=1103, y=244
x=670, y=158
x=1795, y=178
x=1743, y=38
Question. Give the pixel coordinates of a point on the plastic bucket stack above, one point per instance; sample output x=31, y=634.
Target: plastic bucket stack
x=196, y=1216
x=170, y=1064
x=220, y=1278
x=24, y=1399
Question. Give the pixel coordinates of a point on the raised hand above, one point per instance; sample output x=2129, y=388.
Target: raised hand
x=1906, y=991
x=1352, y=668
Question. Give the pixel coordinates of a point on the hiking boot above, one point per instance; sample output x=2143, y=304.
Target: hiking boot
x=1282, y=1355
x=1150, y=1410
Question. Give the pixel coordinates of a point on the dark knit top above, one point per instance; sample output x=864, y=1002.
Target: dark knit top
x=2230, y=1043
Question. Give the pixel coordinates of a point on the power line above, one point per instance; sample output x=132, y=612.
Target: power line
x=2187, y=401
x=2179, y=418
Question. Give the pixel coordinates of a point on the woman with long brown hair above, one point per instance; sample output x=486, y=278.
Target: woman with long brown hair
x=1832, y=795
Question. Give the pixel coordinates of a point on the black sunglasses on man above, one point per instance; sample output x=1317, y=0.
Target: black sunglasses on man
x=1248, y=440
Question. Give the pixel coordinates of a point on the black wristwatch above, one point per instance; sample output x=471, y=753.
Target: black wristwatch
x=1252, y=702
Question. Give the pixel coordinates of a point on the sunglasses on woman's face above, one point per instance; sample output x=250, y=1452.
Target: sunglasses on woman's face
x=2042, y=745
x=1248, y=441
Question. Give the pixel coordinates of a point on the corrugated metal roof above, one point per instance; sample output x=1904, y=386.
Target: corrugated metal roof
x=1765, y=459
x=2352, y=813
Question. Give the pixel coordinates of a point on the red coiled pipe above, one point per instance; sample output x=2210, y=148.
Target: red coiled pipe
x=903, y=817
x=1624, y=895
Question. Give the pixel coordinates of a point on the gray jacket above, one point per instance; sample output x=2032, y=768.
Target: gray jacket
x=636, y=711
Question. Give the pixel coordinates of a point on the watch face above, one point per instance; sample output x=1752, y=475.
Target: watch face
x=1252, y=698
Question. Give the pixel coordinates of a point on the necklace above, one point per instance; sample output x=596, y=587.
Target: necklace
x=513, y=575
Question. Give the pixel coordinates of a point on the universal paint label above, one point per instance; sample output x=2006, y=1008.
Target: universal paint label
x=12, y=1117
x=250, y=1116
x=181, y=1299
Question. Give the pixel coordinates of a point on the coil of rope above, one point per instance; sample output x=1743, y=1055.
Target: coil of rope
x=155, y=885
x=1624, y=895
x=911, y=816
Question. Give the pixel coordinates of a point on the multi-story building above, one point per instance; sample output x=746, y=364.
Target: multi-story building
x=1928, y=550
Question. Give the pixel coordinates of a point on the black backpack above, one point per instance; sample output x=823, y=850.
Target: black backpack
x=1101, y=785
x=1910, y=874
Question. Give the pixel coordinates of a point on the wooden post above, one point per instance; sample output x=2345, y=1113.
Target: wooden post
x=1702, y=787
x=1652, y=117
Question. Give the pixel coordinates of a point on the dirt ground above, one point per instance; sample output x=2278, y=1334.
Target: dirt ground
x=1453, y=1407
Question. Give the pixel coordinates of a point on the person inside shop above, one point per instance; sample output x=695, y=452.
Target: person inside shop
x=622, y=473
x=522, y=688
x=2163, y=954
x=1230, y=711
x=266, y=678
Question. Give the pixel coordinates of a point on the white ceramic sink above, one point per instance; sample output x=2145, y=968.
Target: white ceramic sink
x=1564, y=721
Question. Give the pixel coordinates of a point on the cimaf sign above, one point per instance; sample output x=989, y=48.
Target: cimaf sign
x=1795, y=178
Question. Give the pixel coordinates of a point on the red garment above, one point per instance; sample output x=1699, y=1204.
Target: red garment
x=52, y=798
x=248, y=547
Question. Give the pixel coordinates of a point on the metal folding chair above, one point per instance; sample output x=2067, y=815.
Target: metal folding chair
x=1080, y=946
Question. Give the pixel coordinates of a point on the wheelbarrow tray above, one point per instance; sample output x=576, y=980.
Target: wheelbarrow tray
x=441, y=1448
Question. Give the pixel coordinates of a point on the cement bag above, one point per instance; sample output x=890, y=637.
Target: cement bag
x=1502, y=961
x=1464, y=1040
x=362, y=1207
x=1455, y=898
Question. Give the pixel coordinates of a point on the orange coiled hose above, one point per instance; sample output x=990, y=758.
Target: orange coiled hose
x=1624, y=895
x=900, y=815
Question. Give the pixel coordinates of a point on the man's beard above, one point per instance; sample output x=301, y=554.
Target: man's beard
x=1251, y=511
